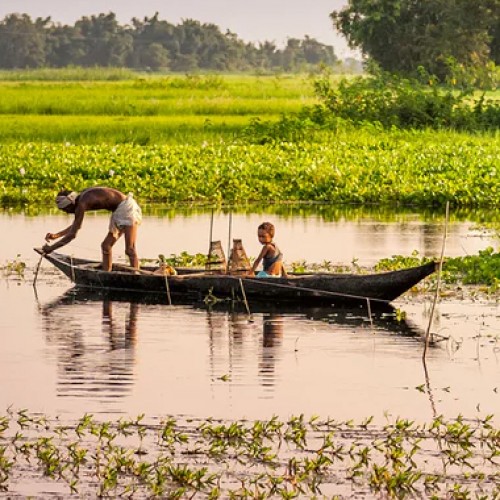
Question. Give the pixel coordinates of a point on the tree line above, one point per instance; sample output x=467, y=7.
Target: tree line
x=151, y=43
x=439, y=36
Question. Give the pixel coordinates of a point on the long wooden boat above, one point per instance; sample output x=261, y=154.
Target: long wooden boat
x=318, y=288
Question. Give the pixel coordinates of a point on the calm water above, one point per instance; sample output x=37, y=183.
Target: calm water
x=67, y=353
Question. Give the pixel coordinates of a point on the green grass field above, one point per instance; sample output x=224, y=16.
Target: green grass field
x=181, y=138
x=168, y=109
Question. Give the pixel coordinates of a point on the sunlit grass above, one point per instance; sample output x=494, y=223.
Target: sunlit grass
x=98, y=100
x=87, y=129
x=160, y=96
x=70, y=73
x=164, y=109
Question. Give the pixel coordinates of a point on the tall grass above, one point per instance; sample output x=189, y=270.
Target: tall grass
x=85, y=129
x=69, y=73
x=160, y=96
x=145, y=110
x=162, y=109
x=128, y=102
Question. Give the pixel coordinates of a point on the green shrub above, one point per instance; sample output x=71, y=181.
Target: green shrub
x=397, y=102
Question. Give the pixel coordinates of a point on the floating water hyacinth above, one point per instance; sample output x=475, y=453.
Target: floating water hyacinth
x=370, y=167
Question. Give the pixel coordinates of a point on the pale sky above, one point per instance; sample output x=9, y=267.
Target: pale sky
x=251, y=20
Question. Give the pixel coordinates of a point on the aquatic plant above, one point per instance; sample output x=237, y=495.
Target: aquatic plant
x=15, y=267
x=480, y=269
x=348, y=167
x=300, y=456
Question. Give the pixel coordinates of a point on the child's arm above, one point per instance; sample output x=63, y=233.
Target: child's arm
x=262, y=254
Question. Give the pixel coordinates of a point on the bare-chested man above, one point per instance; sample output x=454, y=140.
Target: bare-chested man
x=124, y=220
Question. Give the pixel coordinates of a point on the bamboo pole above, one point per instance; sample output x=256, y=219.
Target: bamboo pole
x=38, y=269
x=438, y=283
x=229, y=241
x=210, y=236
x=244, y=297
x=167, y=285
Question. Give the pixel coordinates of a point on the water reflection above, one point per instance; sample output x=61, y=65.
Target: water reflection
x=321, y=211
x=272, y=336
x=94, y=359
x=238, y=340
x=96, y=354
x=117, y=340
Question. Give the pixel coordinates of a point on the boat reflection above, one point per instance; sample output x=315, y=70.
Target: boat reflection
x=96, y=353
x=235, y=340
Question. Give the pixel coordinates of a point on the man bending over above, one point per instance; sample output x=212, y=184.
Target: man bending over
x=125, y=218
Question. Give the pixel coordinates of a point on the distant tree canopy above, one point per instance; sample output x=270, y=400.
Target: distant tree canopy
x=401, y=35
x=147, y=44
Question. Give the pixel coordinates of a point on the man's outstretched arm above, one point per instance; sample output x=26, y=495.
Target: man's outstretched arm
x=68, y=234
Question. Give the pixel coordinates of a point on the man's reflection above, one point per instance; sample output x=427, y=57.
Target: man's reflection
x=94, y=360
x=117, y=340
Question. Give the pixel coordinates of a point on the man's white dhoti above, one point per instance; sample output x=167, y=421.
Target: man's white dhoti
x=127, y=213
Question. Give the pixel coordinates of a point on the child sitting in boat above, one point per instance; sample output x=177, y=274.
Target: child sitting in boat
x=270, y=255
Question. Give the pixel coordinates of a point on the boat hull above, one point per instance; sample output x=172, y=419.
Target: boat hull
x=318, y=288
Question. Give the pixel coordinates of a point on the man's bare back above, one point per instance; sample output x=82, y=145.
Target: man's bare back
x=99, y=198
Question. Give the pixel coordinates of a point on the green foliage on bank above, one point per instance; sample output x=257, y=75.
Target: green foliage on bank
x=349, y=166
x=387, y=101
x=404, y=103
x=480, y=269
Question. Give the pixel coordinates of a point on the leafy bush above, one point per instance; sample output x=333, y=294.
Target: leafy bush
x=395, y=101
x=290, y=128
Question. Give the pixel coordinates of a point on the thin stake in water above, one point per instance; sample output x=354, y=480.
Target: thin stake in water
x=38, y=269
x=369, y=313
x=438, y=283
x=167, y=284
x=229, y=241
x=210, y=237
x=244, y=297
